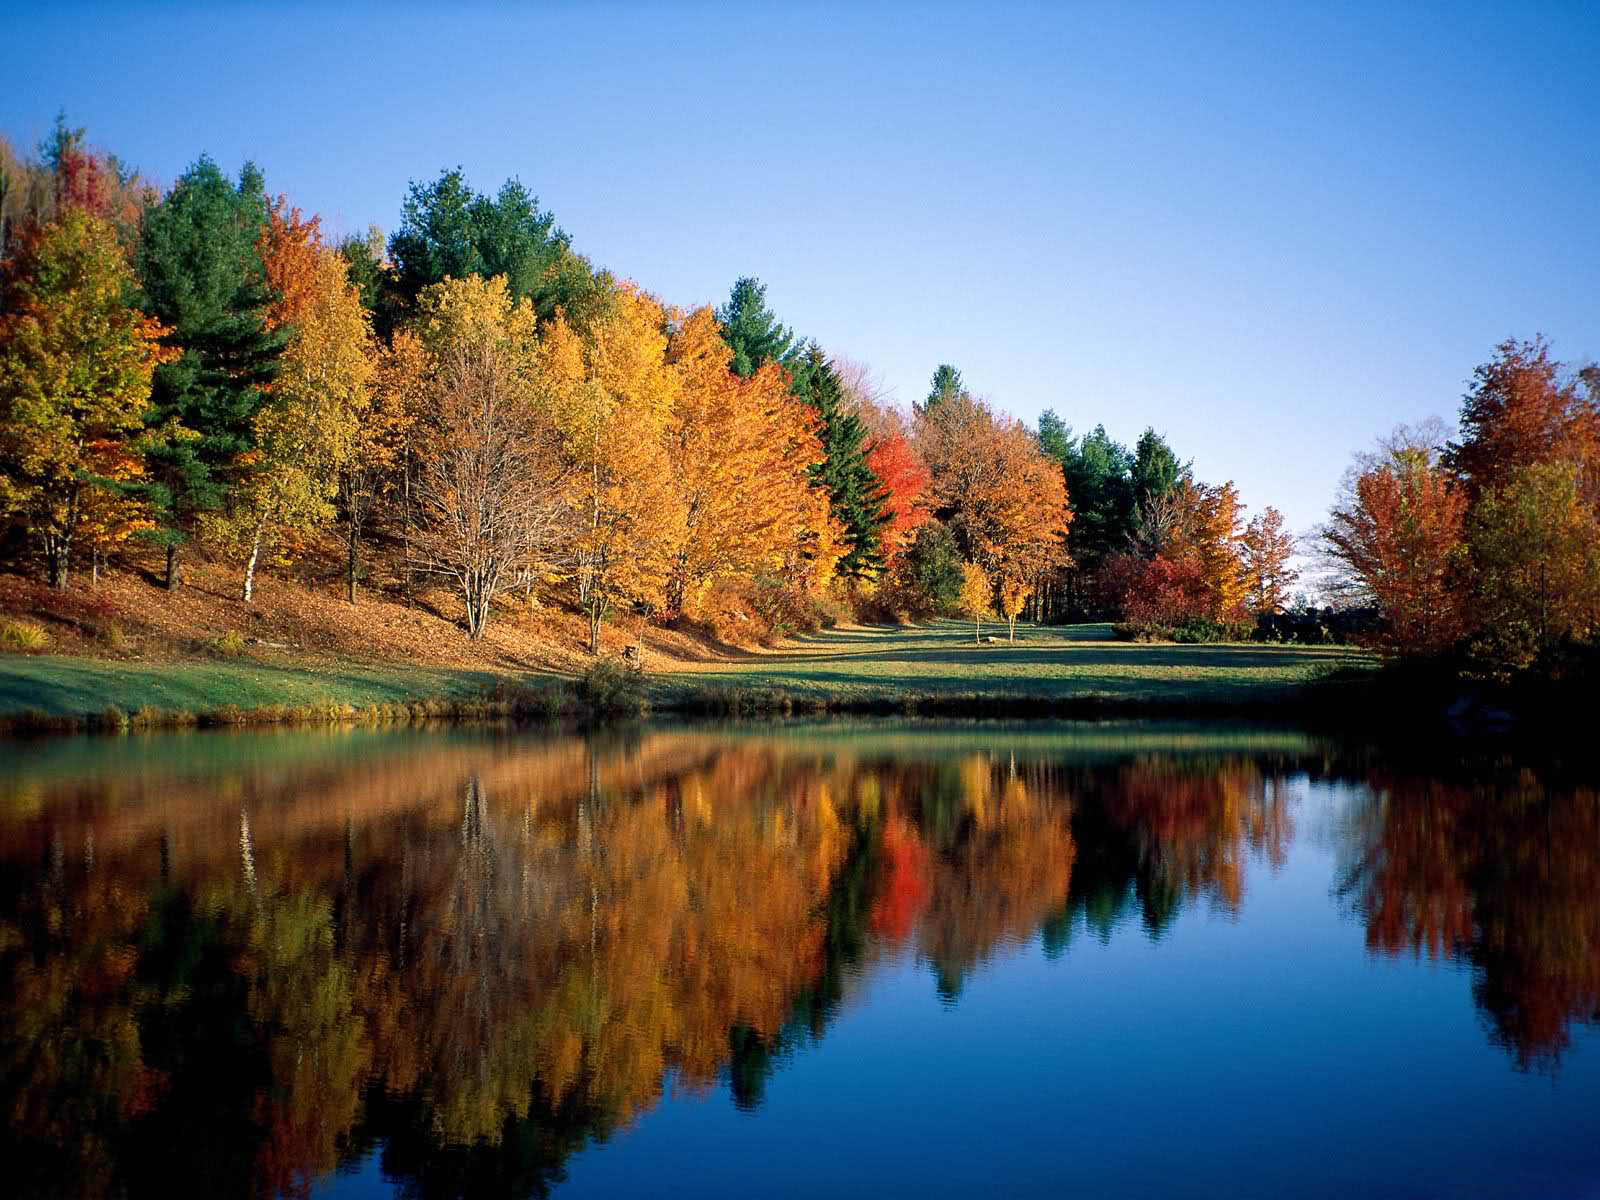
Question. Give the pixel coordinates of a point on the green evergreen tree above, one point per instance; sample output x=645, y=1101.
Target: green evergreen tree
x=1099, y=476
x=855, y=494
x=448, y=230
x=933, y=566
x=755, y=335
x=1155, y=468
x=201, y=275
x=947, y=384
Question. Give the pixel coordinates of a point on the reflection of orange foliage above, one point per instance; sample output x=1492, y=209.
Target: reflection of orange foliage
x=904, y=891
x=1200, y=823
x=1507, y=881
x=1008, y=873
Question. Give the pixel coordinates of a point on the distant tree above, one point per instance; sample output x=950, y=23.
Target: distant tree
x=753, y=333
x=449, y=231
x=202, y=277
x=1155, y=469
x=1266, y=550
x=1524, y=409
x=976, y=597
x=946, y=386
x=1098, y=474
x=933, y=567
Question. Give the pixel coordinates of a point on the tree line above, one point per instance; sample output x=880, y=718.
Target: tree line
x=205, y=366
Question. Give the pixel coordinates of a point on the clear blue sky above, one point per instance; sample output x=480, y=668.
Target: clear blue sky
x=1269, y=231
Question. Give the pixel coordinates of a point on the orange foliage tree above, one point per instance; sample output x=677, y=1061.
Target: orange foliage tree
x=1400, y=542
x=740, y=452
x=1265, y=551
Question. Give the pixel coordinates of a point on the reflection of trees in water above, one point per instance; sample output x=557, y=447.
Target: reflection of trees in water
x=1157, y=832
x=478, y=972
x=1504, y=877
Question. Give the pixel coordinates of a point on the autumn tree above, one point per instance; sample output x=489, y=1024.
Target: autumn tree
x=76, y=360
x=741, y=455
x=201, y=276
x=1265, y=551
x=489, y=483
x=306, y=431
x=894, y=461
x=612, y=395
x=856, y=495
x=1399, y=542
x=378, y=459
x=976, y=598
x=1535, y=556
x=1524, y=409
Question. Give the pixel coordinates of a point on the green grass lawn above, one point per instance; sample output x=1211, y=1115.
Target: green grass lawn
x=74, y=686
x=1055, y=662
x=1079, y=662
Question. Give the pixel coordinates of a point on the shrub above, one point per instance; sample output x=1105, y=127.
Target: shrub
x=110, y=636
x=22, y=635
x=610, y=689
x=229, y=645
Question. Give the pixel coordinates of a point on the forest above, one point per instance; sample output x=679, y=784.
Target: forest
x=203, y=371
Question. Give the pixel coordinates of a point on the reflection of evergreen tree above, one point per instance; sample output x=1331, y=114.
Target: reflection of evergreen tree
x=202, y=1138
x=528, y=1159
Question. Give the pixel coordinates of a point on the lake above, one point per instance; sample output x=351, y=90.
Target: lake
x=841, y=958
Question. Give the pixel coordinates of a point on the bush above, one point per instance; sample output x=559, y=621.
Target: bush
x=22, y=635
x=1313, y=626
x=110, y=636
x=229, y=645
x=785, y=609
x=610, y=689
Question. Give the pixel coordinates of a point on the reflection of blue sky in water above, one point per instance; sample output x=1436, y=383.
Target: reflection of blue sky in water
x=1264, y=1055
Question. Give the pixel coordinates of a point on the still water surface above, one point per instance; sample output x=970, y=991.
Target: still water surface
x=851, y=958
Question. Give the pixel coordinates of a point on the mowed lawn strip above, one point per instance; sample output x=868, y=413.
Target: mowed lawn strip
x=64, y=686
x=1055, y=662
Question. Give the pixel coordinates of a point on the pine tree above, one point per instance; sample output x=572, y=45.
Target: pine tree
x=855, y=493
x=202, y=277
x=947, y=385
x=754, y=334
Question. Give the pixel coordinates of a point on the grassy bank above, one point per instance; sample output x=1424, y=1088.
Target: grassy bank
x=1067, y=669
x=937, y=670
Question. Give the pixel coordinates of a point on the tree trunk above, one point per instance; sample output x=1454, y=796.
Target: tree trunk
x=250, y=567
x=1013, y=620
x=597, y=616
x=55, y=555
x=94, y=566
x=977, y=631
x=351, y=564
x=174, y=568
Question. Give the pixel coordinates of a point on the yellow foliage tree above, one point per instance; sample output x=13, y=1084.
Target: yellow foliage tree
x=976, y=597
x=490, y=487
x=612, y=395
x=740, y=451
x=75, y=366
x=308, y=429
